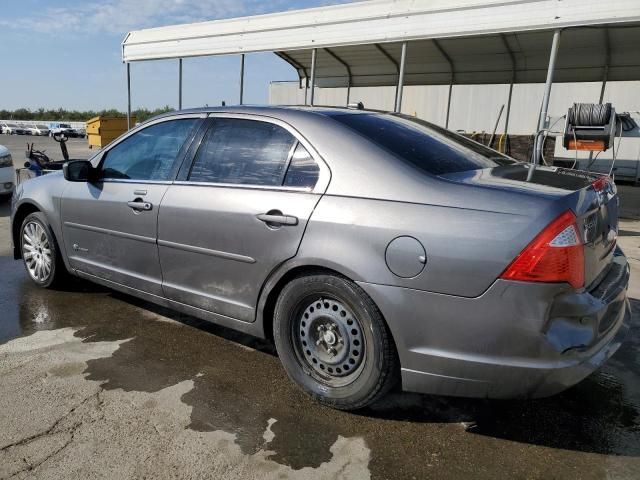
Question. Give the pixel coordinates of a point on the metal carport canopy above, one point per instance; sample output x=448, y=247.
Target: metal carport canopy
x=475, y=41
x=421, y=42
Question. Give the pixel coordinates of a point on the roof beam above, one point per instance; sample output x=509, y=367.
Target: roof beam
x=446, y=56
x=296, y=65
x=333, y=55
x=388, y=56
x=340, y=61
x=511, y=56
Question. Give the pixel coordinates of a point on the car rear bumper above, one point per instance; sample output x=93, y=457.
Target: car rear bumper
x=518, y=339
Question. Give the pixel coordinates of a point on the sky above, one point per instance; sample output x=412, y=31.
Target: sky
x=68, y=54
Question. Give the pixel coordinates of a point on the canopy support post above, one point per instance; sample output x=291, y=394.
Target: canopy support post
x=128, y=96
x=179, y=84
x=544, y=111
x=298, y=67
x=347, y=68
x=451, y=82
x=513, y=80
x=314, y=53
x=506, y=119
x=605, y=76
x=403, y=61
x=446, y=122
x=241, y=79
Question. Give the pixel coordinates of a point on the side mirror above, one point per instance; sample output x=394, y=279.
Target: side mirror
x=77, y=171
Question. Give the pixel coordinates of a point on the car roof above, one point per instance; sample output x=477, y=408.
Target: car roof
x=282, y=112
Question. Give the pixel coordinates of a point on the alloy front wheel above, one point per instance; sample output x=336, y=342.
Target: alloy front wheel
x=40, y=251
x=36, y=251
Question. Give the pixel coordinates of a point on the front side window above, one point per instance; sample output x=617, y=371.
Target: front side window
x=150, y=154
x=245, y=152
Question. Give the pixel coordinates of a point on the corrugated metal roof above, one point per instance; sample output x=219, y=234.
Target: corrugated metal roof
x=478, y=41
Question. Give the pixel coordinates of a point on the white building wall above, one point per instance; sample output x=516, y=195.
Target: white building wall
x=473, y=107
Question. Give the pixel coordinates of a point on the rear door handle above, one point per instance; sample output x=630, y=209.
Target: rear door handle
x=140, y=205
x=277, y=219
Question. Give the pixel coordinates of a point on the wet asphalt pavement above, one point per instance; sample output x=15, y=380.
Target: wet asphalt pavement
x=165, y=395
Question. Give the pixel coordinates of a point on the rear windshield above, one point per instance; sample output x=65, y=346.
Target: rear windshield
x=432, y=149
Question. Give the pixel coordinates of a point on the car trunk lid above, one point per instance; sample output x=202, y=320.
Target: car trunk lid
x=592, y=197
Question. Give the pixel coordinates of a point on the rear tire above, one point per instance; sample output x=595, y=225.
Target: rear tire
x=333, y=341
x=40, y=252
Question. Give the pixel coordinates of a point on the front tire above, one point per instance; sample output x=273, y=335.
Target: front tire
x=40, y=252
x=333, y=341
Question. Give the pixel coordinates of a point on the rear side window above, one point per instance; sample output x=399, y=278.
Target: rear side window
x=303, y=171
x=432, y=149
x=246, y=152
x=149, y=154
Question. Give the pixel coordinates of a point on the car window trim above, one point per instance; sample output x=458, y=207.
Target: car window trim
x=324, y=175
x=189, y=158
x=288, y=163
x=246, y=186
x=182, y=153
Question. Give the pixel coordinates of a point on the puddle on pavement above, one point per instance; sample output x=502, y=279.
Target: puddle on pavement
x=239, y=390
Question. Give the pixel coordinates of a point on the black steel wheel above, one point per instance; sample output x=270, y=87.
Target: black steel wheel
x=333, y=341
x=328, y=338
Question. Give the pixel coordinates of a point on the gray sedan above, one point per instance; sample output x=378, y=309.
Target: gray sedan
x=374, y=248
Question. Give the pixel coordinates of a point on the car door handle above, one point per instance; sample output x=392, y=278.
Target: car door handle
x=277, y=219
x=140, y=205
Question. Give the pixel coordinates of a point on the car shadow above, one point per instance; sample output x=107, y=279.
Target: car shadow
x=601, y=414
x=255, y=343
x=239, y=385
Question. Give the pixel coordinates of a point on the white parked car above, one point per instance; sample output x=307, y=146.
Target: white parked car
x=59, y=128
x=7, y=179
x=13, y=129
x=38, y=129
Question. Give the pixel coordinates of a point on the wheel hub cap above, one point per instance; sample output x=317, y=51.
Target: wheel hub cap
x=330, y=338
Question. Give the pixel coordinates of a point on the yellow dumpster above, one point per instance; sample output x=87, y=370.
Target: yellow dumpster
x=102, y=130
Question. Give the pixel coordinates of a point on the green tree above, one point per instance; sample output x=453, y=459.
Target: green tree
x=61, y=114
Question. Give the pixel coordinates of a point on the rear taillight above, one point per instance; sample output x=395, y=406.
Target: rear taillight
x=555, y=255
